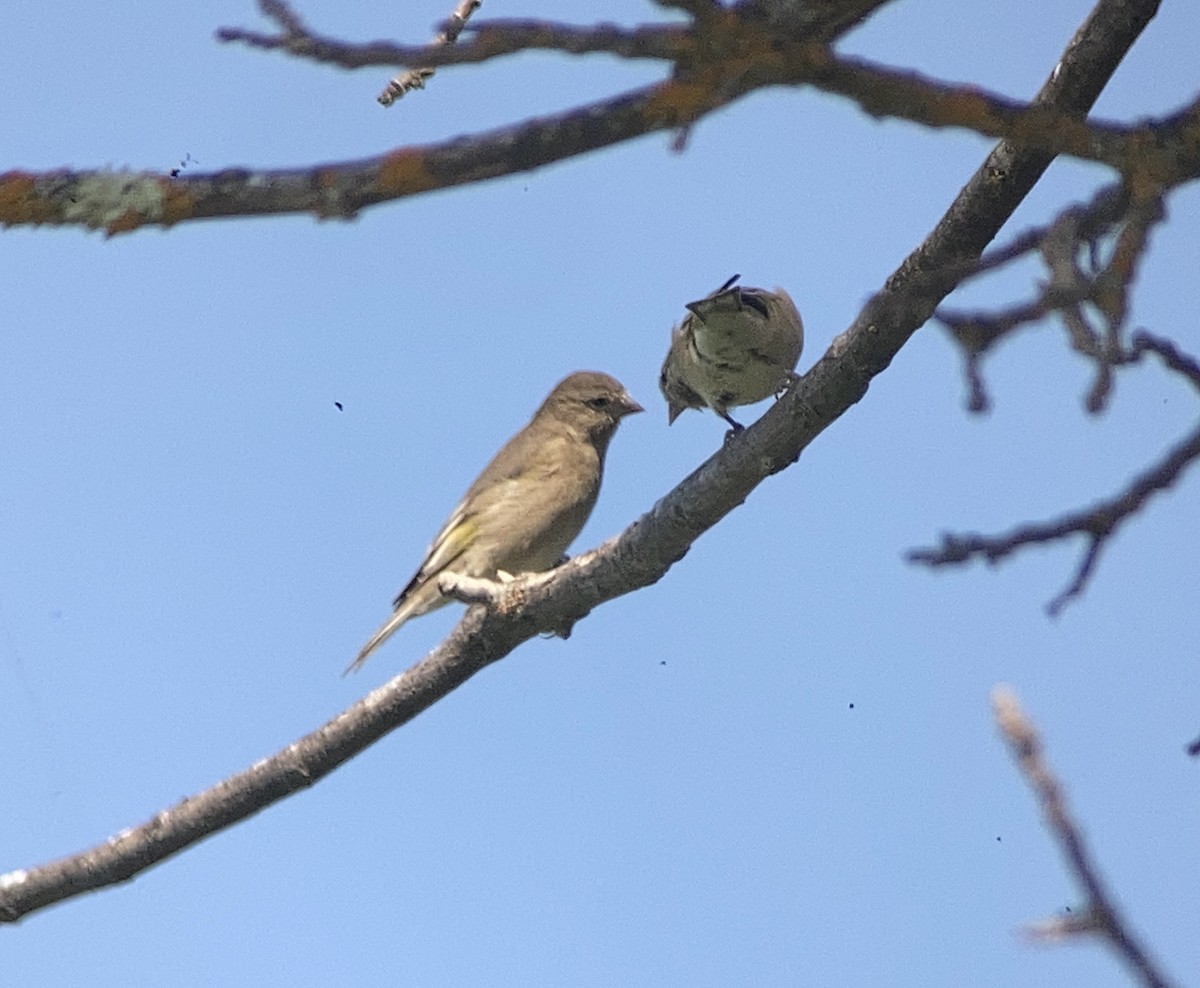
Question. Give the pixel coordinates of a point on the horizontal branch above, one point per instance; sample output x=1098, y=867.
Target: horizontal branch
x=122, y=201
x=1167, y=149
x=646, y=550
x=734, y=63
x=712, y=22
x=487, y=40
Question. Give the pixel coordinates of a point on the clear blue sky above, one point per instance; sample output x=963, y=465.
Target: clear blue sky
x=775, y=767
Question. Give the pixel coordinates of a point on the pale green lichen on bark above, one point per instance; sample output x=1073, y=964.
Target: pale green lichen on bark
x=101, y=198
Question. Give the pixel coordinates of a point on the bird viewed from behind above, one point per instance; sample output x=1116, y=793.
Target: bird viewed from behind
x=529, y=503
x=735, y=347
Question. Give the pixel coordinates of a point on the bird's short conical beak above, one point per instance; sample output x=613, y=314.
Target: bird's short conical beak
x=673, y=411
x=631, y=406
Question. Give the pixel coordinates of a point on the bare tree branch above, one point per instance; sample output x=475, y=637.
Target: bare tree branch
x=661, y=42
x=1098, y=523
x=491, y=39
x=119, y=202
x=740, y=57
x=122, y=201
x=1100, y=914
x=978, y=332
x=1167, y=150
x=1061, y=244
x=648, y=548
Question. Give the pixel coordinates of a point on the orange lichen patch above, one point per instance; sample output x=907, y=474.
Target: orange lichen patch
x=406, y=171
x=964, y=104
x=1162, y=154
x=679, y=102
x=129, y=220
x=20, y=204
x=178, y=203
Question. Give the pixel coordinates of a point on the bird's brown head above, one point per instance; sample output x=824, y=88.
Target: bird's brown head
x=590, y=401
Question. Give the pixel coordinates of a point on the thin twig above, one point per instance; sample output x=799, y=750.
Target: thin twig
x=1100, y=914
x=977, y=332
x=1075, y=230
x=1099, y=523
x=1093, y=220
x=416, y=78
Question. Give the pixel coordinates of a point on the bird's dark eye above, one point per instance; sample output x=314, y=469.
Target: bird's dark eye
x=600, y=401
x=755, y=302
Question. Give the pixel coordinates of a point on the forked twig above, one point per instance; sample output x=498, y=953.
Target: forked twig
x=1100, y=914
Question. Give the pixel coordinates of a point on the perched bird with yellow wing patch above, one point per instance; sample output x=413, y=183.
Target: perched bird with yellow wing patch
x=529, y=503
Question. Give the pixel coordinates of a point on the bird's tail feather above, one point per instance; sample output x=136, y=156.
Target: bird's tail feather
x=415, y=601
x=383, y=634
